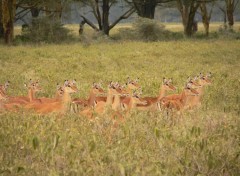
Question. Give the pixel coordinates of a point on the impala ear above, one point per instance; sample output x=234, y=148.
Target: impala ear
x=209, y=74
x=25, y=85
x=7, y=84
x=188, y=85
x=164, y=80
x=140, y=91
x=128, y=79
x=196, y=78
x=110, y=84
x=66, y=82
x=170, y=80
x=58, y=86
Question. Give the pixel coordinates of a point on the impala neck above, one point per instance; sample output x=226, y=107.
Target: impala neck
x=162, y=93
x=66, y=98
x=31, y=95
x=200, y=91
x=183, y=97
x=57, y=96
x=132, y=104
x=109, y=98
x=116, y=103
x=91, y=98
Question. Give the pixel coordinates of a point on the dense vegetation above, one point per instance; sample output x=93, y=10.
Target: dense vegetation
x=204, y=142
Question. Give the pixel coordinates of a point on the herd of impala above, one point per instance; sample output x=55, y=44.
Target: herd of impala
x=117, y=102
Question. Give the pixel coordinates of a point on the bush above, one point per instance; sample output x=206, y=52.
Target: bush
x=46, y=30
x=225, y=32
x=149, y=29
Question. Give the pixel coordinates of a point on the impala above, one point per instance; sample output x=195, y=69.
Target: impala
x=61, y=106
x=59, y=94
x=203, y=81
x=90, y=102
x=152, y=102
x=178, y=101
x=18, y=101
x=102, y=106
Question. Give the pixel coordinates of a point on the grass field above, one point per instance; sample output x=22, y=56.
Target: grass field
x=204, y=142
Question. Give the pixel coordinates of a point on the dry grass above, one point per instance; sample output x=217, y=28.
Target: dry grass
x=203, y=142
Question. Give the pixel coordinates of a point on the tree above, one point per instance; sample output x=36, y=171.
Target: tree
x=228, y=11
x=188, y=10
x=145, y=8
x=206, y=16
x=7, y=15
x=230, y=8
x=1, y=24
x=101, y=11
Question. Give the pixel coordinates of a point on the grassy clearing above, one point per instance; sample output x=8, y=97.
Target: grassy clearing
x=204, y=142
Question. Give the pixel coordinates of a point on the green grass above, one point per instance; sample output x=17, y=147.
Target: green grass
x=203, y=142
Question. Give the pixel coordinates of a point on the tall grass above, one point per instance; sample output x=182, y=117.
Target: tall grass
x=203, y=142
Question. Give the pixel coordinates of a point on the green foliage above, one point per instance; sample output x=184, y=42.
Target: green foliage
x=46, y=30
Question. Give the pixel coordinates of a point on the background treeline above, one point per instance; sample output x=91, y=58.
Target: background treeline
x=104, y=15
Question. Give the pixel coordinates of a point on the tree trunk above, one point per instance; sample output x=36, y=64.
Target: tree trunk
x=185, y=17
x=8, y=15
x=105, y=16
x=225, y=20
x=205, y=17
x=230, y=10
x=145, y=9
x=188, y=14
x=1, y=24
x=35, y=12
x=1, y=30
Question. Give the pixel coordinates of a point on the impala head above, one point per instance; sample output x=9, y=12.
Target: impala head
x=136, y=99
x=189, y=90
x=60, y=90
x=2, y=95
x=4, y=87
x=70, y=86
x=33, y=86
x=113, y=88
x=194, y=82
x=167, y=84
x=205, y=80
x=121, y=89
x=97, y=89
x=133, y=84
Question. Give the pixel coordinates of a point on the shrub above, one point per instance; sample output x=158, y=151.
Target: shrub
x=150, y=30
x=46, y=30
x=228, y=33
x=146, y=30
